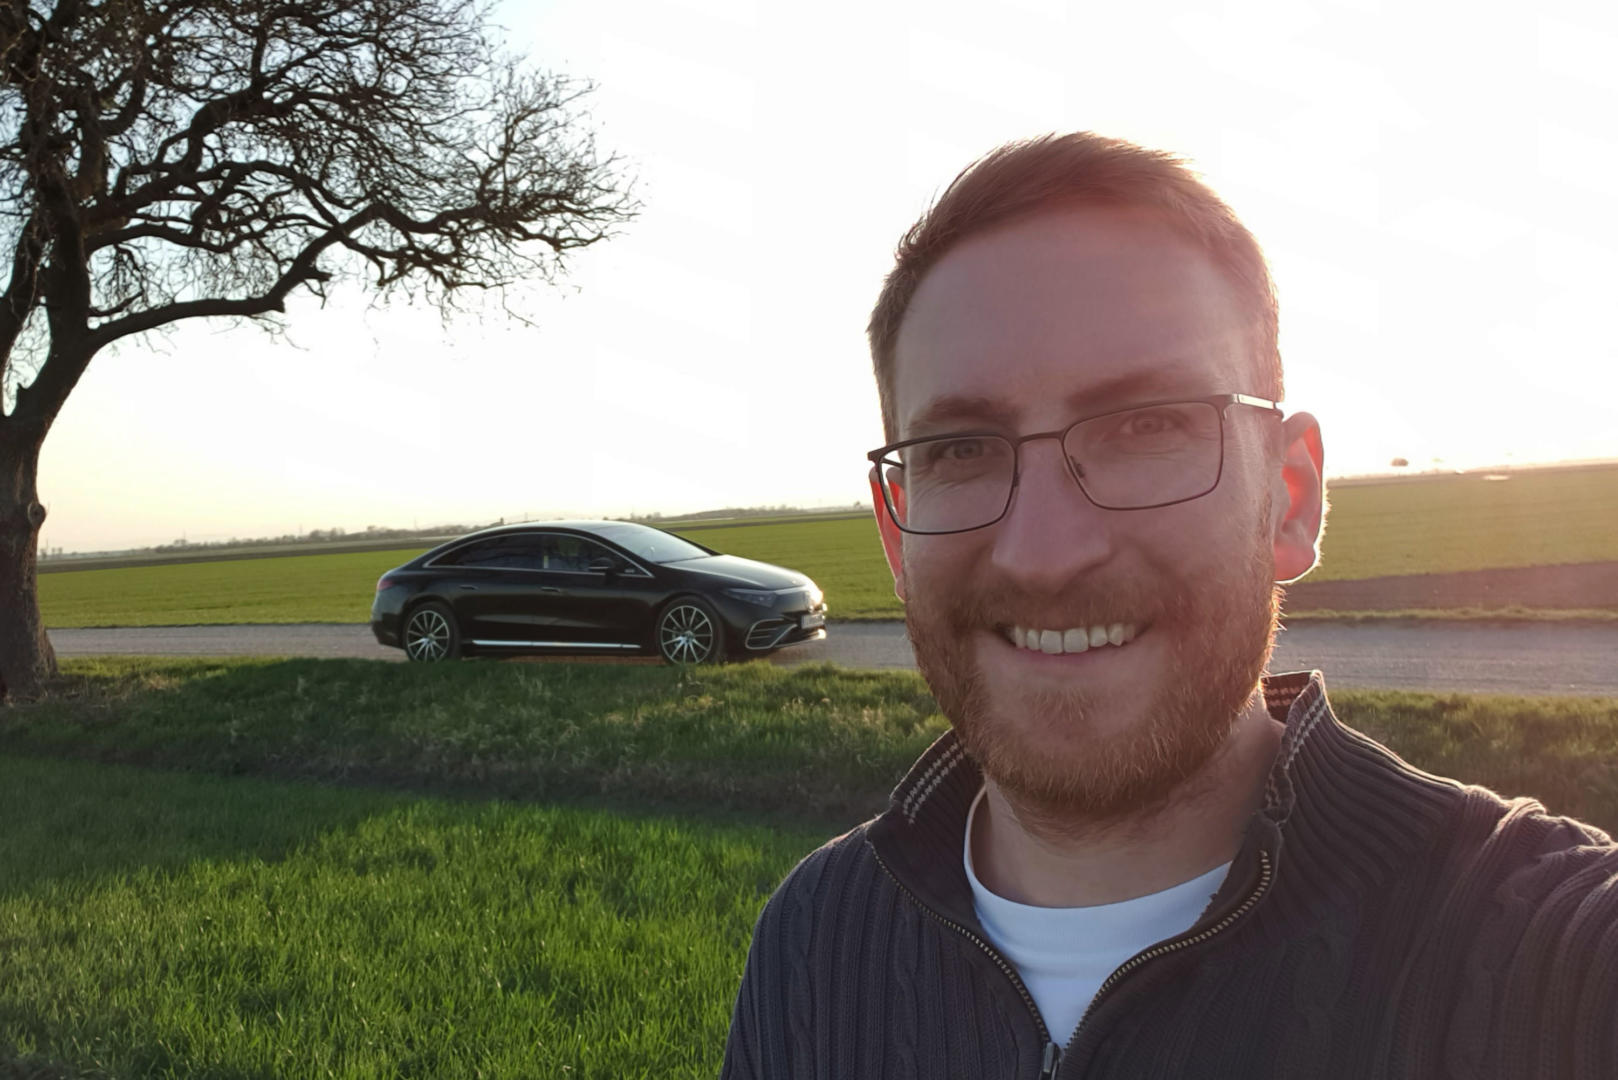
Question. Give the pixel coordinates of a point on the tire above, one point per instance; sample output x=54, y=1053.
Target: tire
x=430, y=634
x=689, y=632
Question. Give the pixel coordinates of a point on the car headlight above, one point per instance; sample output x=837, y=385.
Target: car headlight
x=761, y=597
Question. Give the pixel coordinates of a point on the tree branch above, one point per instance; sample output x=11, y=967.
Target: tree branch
x=303, y=269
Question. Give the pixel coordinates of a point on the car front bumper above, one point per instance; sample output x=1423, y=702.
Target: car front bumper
x=788, y=628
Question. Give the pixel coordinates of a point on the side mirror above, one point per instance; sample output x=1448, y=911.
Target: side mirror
x=603, y=564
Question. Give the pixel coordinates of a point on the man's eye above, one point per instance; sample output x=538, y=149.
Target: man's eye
x=1149, y=423
x=957, y=452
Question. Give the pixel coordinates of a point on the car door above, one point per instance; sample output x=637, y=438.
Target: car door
x=463, y=583
x=496, y=592
x=595, y=607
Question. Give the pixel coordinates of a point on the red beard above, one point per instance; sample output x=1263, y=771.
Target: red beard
x=1058, y=766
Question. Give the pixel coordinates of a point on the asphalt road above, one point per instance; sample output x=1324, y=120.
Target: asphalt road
x=1521, y=658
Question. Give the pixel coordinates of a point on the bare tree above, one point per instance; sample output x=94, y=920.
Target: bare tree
x=175, y=159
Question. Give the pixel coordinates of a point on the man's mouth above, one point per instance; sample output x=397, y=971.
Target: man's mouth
x=1075, y=639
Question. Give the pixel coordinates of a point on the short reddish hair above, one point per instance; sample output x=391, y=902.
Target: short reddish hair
x=1079, y=169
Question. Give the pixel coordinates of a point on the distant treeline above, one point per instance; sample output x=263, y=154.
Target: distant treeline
x=313, y=536
x=750, y=512
x=317, y=536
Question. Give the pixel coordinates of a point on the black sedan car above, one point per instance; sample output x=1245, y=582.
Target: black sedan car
x=598, y=587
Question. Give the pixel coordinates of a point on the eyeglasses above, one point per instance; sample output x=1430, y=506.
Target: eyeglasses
x=1150, y=455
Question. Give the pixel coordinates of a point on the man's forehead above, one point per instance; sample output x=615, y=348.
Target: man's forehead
x=997, y=403
x=1069, y=310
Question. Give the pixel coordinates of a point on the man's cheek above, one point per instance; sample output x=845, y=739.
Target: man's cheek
x=942, y=565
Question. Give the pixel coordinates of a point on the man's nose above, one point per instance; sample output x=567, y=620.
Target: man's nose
x=1051, y=534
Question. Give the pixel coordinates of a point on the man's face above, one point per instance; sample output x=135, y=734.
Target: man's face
x=1027, y=328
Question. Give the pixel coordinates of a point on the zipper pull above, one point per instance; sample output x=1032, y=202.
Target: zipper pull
x=1052, y=1062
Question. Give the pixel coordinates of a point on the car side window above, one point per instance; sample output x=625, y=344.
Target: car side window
x=500, y=553
x=467, y=555
x=573, y=554
x=563, y=553
x=593, y=551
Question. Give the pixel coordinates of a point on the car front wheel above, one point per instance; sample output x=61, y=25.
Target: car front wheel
x=431, y=634
x=688, y=632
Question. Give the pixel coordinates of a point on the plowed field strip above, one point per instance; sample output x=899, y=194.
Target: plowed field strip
x=1578, y=587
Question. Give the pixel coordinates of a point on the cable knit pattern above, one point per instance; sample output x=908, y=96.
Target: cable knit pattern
x=1378, y=922
x=901, y=1035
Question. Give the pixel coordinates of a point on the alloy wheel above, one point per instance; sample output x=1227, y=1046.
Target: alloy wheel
x=427, y=636
x=686, y=634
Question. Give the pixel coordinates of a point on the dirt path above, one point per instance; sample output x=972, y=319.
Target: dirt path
x=1522, y=658
x=1587, y=586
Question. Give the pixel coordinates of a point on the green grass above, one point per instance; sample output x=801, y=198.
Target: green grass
x=1429, y=525
x=1439, y=524
x=809, y=742
x=844, y=557
x=297, y=588
x=337, y=588
x=161, y=924
x=526, y=870
x=813, y=743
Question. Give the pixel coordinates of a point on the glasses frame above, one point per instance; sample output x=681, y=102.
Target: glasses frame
x=1222, y=402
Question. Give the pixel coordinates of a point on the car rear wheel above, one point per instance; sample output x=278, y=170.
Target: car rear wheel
x=688, y=632
x=431, y=634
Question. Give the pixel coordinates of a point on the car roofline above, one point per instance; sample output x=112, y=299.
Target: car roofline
x=426, y=559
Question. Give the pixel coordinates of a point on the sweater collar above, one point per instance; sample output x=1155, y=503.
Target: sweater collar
x=1333, y=793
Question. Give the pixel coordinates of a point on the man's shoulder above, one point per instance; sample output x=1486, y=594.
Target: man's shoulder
x=1533, y=891
x=1430, y=851
x=835, y=882
x=1447, y=827
x=1533, y=854
x=828, y=868
x=1513, y=835
x=1541, y=923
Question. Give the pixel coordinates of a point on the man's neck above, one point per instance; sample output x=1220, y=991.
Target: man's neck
x=1084, y=863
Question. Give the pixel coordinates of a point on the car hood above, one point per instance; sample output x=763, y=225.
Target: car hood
x=734, y=569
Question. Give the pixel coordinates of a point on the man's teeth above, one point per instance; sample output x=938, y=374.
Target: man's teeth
x=1077, y=640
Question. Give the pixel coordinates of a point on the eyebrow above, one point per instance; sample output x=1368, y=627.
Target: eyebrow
x=955, y=409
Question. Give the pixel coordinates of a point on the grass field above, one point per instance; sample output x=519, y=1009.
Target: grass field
x=198, y=926
x=237, y=912
x=814, y=742
x=1426, y=525
x=807, y=743
x=841, y=554
x=1438, y=524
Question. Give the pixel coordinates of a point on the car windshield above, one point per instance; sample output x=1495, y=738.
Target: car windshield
x=653, y=545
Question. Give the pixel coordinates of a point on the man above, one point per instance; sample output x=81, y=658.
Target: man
x=1132, y=857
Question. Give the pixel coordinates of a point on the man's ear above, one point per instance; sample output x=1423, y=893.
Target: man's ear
x=892, y=537
x=1297, y=530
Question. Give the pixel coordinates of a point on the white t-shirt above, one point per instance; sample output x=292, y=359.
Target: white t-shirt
x=1065, y=954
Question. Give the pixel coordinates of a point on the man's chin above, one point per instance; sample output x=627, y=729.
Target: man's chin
x=1102, y=734
x=1094, y=751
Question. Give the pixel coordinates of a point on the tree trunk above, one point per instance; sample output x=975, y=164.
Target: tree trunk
x=27, y=660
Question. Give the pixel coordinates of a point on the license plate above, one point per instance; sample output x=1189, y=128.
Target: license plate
x=809, y=622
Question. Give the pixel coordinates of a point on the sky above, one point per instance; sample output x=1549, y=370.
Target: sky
x=1432, y=183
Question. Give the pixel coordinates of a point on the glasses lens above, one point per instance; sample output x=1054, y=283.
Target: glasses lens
x=1149, y=456
x=950, y=483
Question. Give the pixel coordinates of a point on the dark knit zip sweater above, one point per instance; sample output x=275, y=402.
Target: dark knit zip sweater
x=1377, y=922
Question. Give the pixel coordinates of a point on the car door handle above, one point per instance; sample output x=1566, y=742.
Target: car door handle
x=550, y=589
x=468, y=588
